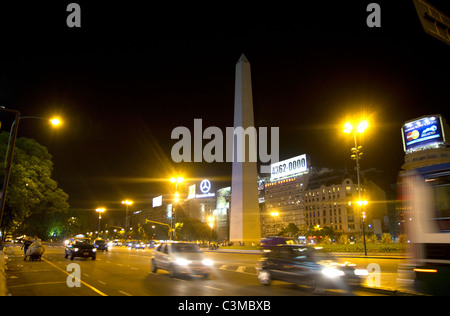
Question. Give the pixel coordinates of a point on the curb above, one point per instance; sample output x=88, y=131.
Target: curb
x=336, y=254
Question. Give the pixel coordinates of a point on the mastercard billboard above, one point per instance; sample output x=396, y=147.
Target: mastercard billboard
x=423, y=133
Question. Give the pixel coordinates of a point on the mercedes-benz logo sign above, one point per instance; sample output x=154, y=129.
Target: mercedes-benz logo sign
x=205, y=186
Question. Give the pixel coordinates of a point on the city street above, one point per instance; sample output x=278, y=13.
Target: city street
x=126, y=272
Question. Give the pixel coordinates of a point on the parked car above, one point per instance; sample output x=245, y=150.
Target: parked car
x=180, y=258
x=306, y=265
x=101, y=244
x=80, y=247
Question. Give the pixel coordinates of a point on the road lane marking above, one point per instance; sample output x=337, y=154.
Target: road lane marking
x=239, y=269
x=101, y=282
x=213, y=288
x=34, y=284
x=125, y=293
x=82, y=282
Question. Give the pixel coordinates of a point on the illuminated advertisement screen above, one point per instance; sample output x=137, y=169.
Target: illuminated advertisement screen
x=157, y=201
x=191, y=193
x=422, y=132
x=288, y=168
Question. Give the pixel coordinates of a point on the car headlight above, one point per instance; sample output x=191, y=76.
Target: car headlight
x=182, y=262
x=207, y=262
x=94, y=249
x=332, y=272
x=361, y=272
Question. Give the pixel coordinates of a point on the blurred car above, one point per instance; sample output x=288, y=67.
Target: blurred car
x=115, y=243
x=152, y=244
x=101, y=244
x=80, y=247
x=138, y=245
x=180, y=258
x=135, y=244
x=306, y=265
x=269, y=242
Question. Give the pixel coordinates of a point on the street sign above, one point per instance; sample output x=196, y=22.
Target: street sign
x=434, y=22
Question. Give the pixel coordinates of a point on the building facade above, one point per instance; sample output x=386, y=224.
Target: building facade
x=316, y=199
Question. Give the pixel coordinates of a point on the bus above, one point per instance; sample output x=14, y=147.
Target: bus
x=425, y=213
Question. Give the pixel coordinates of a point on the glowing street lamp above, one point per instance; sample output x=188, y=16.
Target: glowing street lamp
x=10, y=152
x=55, y=121
x=176, y=199
x=275, y=215
x=100, y=210
x=362, y=126
x=176, y=180
x=356, y=155
x=126, y=203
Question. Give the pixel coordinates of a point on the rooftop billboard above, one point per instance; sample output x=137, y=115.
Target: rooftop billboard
x=423, y=132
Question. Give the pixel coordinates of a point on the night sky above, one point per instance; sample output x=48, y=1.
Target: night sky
x=132, y=73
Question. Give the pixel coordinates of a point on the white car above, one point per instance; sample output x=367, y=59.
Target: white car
x=180, y=258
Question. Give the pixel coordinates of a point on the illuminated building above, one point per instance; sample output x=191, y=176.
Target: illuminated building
x=285, y=199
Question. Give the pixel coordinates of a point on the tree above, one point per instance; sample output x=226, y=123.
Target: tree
x=194, y=229
x=291, y=230
x=343, y=239
x=35, y=205
x=386, y=238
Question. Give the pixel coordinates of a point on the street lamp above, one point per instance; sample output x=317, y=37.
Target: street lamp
x=275, y=215
x=10, y=151
x=99, y=210
x=210, y=221
x=176, y=181
x=55, y=121
x=356, y=155
x=126, y=203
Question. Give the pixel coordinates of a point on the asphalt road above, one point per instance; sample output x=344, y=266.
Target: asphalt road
x=125, y=272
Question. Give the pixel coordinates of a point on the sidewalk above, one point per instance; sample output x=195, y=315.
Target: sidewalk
x=3, y=288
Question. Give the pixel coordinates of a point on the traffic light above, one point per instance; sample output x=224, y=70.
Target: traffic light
x=356, y=152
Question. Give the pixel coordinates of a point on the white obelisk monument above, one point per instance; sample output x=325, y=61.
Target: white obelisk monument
x=244, y=211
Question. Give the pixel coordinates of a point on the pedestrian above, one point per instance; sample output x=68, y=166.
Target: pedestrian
x=26, y=244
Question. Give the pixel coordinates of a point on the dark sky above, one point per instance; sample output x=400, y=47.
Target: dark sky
x=132, y=73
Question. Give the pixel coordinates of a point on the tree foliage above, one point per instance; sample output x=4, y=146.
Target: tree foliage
x=194, y=229
x=35, y=205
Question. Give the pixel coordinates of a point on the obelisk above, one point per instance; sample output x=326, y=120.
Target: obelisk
x=244, y=211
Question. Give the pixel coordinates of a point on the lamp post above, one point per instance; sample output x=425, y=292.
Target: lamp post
x=99, y=210
x=126, y=203
x=176, y=181
x=210, y=221
x=356, y=155
x=275, y=215
x=10, y=151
